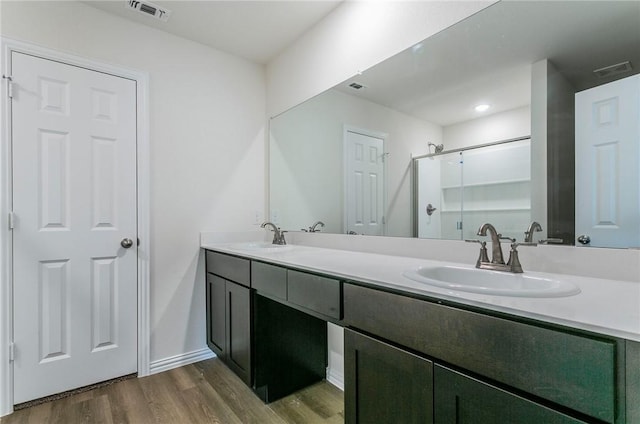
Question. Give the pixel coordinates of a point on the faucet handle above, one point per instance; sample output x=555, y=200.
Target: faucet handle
x=501, y=237
x=551, y=241
x=475, y=241
x=514, y=260
x=278, y=237
x=514, y=245
x=484, y=255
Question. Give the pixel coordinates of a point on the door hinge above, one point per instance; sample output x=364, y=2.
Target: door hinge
x=12, y=220
x=12, y=352
x=9, y=85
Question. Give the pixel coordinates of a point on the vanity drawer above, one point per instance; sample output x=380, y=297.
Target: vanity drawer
x=320, y=294
x=571, y=370
x=230, y=267
x=269, y=279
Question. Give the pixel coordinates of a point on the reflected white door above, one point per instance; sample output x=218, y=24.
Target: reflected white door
x=607, y=164
x=74, y=199
x=364, y=191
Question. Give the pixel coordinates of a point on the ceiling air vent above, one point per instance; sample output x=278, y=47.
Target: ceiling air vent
x=356, y=86
x=149, y=9
x=609, y=71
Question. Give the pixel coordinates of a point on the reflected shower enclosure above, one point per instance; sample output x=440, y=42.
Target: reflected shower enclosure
x=457, y=191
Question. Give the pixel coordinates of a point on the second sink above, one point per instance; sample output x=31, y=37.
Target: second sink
x=492, y=282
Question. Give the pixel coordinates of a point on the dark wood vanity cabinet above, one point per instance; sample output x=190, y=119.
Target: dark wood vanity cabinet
x=553, y=370
x=411, y=358
x=290, y=313
x=462, y=399
x=229, y=312
x=385, y=384
x=268, y=323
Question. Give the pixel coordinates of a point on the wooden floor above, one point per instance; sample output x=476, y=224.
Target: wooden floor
x=204, y=392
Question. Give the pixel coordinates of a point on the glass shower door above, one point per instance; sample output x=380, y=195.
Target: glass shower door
x=497, y=189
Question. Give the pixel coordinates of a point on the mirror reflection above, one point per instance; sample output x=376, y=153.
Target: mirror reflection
x=352, y=157
x=456, y=192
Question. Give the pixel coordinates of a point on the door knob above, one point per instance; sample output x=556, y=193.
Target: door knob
x=430, y=209
x=584, y=239
x=126, y=243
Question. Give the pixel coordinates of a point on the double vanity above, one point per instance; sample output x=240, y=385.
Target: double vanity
x=426, y=341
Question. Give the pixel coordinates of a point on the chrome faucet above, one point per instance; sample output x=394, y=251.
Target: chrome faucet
x=496, y=248
x=497, y=259
x=528, y=235
x=313, y=229
x=278, y=234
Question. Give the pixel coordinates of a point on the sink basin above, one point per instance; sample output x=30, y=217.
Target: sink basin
x=264, y=247
x=492, y=282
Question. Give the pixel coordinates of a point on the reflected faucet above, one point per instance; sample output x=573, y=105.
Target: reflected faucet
x=528, y=235
x=313, y=229
x=278, y=234
x=534, y=226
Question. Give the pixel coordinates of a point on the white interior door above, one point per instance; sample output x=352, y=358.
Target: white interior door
x=74, y=200
x=364, y=193
x=608, y=164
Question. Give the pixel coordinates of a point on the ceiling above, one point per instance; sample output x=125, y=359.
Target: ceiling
x=255, y=30
x=487, y=58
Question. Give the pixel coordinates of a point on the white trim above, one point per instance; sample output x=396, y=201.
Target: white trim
x=369, y=133
x=180, y=360
x=7, y=46
x=335, y=378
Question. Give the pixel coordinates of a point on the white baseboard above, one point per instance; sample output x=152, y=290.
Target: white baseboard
x=336, y=378
x=176, y=361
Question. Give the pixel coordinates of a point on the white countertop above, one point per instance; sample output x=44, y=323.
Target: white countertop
x=609, y=307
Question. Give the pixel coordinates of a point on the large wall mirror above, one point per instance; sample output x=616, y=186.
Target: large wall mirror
x=559, y=135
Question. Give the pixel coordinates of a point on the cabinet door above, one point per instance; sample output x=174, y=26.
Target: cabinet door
x=238, y=338
x=384, y=384
x=460, y=399
x=216, y=315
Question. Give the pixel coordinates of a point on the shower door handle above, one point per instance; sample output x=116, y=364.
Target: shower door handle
x=431, y=209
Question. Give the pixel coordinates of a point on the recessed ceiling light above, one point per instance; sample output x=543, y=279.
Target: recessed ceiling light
x=482, y=108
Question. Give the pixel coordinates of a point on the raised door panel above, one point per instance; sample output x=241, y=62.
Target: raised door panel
x=384, y=384
x=239, y=330
x=364, y=170
x=607, y=172
x=74, y=199
x=461, y=399
x=216, y=315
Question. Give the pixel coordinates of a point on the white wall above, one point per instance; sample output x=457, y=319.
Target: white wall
x=352, y=38
x=501, y=126
x=207, y=112
x=307, y=167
